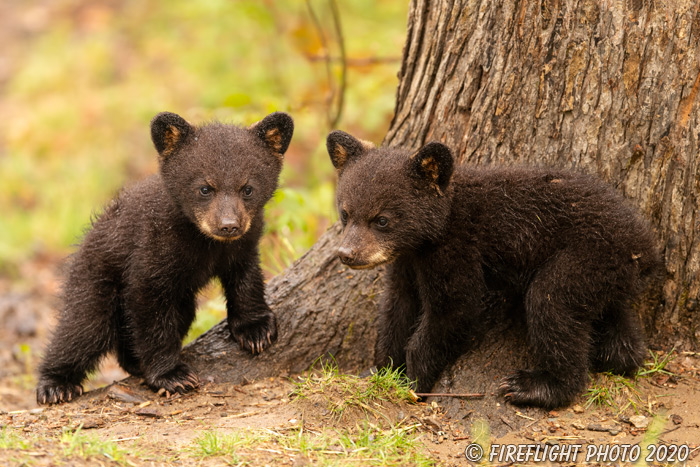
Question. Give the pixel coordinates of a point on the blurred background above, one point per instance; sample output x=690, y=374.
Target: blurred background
x=81, y=80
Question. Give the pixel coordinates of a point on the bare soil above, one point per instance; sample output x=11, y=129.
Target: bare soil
x=161, y=430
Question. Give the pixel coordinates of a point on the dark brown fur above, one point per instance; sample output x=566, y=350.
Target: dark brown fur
x=562, y=247
x=131, y=286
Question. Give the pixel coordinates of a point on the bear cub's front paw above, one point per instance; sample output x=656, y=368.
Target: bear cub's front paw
x=257, y=334
x=55, y=392
x=178, y=380
x=538, y=388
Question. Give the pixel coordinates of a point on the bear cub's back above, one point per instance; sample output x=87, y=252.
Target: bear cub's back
x=527, y=214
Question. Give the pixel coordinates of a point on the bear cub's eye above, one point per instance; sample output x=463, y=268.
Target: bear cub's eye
x=206, y=190
x=343, y=216
x=247, y=191
x=382, y=221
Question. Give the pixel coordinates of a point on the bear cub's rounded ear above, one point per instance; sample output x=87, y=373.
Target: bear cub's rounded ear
x=343, y=147
x=434, y=164
x=275, y=131
x=168, y=131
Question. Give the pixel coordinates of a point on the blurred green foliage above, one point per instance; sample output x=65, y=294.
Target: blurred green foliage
x=87, y=77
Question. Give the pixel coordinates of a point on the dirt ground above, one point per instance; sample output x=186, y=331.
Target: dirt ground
x=161, y=430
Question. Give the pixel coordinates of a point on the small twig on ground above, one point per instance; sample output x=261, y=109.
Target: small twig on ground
x=117, y=440
x=519, y=414
x=507, y=422
x=667, y=432
x=446, y=394
x=236, y=388
x=531, y=423
x=245, y=414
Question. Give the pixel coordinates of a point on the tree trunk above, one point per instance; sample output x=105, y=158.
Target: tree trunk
x=606, y=87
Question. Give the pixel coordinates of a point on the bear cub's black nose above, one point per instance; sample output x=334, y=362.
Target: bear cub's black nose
x=346, y=255
x=229, y=226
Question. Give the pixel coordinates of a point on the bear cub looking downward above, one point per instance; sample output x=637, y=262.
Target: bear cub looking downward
x=562, y=247
x=131, y=286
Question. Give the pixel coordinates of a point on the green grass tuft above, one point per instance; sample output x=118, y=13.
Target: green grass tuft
x=657, y=365
x=77, y=444
x=217, y=444
x=614, y=391
x=11, y=440
x=343, y=391
x=620, y=392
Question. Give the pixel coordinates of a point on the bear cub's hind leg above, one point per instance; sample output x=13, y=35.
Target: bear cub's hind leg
x=83, y=336
x=618, y=342
x=559, y=319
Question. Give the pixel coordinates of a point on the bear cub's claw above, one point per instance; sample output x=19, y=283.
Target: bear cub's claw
x=53, y=392
x=256, y=335
x=536, y=387
x=178, y=380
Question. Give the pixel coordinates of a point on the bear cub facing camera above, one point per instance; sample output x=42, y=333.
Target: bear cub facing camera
x=131, y=286
x=563, y=248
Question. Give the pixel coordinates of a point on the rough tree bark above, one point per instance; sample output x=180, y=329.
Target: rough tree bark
x=607, y=87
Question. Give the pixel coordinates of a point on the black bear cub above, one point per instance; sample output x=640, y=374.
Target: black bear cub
x=564, y=247
x=131, y=286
